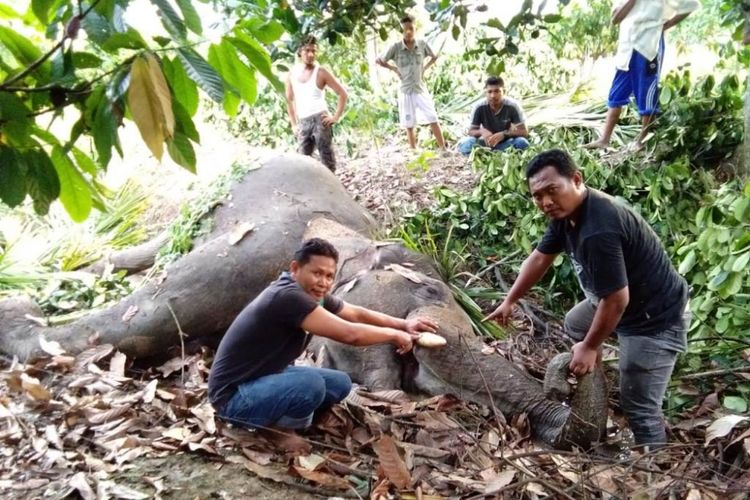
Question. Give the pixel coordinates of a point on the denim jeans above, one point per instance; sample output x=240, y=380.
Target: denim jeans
x=646, y=363
x=287, y=399
x=468, y=143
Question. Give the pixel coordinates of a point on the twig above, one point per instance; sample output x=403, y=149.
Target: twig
x=709, y=373
x=182, y=336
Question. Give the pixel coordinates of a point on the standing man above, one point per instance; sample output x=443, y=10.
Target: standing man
x=630, y=285
x=640, y=50
x=498, y=123
x=251, y=381
x=306, y=104
x=414, y=101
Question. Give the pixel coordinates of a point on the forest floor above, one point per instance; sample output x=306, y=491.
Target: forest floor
x=99, y=425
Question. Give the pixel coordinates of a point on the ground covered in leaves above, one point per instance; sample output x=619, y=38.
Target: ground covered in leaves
x=99, y=425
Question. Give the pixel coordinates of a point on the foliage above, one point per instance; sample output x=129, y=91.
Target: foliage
x=704, y=228
x=62, y=296
x=584, y=31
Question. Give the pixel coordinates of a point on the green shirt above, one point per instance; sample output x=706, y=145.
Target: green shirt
x=410, y=63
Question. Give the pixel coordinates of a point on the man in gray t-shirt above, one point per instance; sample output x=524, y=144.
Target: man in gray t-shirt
x=499, y=123
x=414, y=100
x=251, y=381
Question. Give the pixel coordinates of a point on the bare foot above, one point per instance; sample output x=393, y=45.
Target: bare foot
x=287, y=440
x=599, y=144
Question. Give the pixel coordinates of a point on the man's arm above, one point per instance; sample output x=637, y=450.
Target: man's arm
x=381, y=62
x=290, y=103
x=622, y=11
x=429, y=63
x=357, y=314
x=532, y=270
x=517, y=130
x=607, y=316
x=325, y=324
x=675, y=20
x=340, y=91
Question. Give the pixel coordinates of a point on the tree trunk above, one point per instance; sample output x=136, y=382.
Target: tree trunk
x=288, y=199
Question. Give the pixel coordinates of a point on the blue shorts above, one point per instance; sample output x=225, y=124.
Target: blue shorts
x=641, y=80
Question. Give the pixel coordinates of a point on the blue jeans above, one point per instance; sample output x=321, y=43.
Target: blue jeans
x=646, y=363
x=287, y=399
x=468, y=143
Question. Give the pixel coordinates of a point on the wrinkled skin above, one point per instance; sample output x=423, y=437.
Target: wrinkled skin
x=288, y=199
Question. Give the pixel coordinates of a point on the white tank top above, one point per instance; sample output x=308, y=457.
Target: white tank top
x=308, y=98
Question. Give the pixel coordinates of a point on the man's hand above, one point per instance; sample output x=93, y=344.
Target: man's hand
x=495, y=139
x=403, y=341
x=502, y=313
x=419, y=325
x=329, y=120
x=584, y=359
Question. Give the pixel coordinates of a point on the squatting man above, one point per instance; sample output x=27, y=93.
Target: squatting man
x=252, y=382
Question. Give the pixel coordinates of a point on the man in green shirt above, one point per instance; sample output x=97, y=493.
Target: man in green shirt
x=414, y=101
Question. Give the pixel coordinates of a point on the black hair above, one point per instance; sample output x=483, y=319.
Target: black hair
x=305, y=41
x=408, y=18
x=315, y=246
x=557, y=158
x=494, y=80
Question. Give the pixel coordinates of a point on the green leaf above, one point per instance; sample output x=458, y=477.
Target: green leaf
x=687, y=263
x=202, y=73
x=104, y=127
x=41, y=180
x=266, y=31
x=741, y=263
x=192, y=19
x=23, y=51
x=12, y=180
x=15, y=124
x=237, y=74
x=40, y=8
x=183, y=88
x=258, y=57
x=129, y=39
x=170, y=19
x=735, y=403
x=83, y=60
x=84, y=162
x=181, y=151
x=552, y=18
x=183, y=123
x=75, y=194
x=97, y=27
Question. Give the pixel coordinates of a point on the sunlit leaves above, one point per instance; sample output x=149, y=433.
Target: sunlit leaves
x=75, y=193
x=202, y=73
x=257, y=56
x=150, y=103
x=239, y=77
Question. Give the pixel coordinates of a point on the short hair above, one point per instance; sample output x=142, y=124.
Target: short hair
x=494, y=80
x=305, y=41
x=315, y=246
x=557, y=158
x=408, y=18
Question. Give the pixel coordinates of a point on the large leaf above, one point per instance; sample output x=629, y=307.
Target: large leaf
x=75, y=193
x=129, y=39
x=83, y=60
x=15, y=124
x=183, y=123
x=150, y=103
x=184, y=89
x=12, y=179
x=257, y=56
x=264, y=31
x=97, y=27
x=181, y=151
x=170, y=19
x=192, y=19
x=103, y=125
x=42, y=182
x=237, y=74
x=202, y=73
x=23, y=51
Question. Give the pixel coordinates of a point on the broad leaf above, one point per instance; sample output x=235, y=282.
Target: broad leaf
x=192, y=19
x=104, y=126
x=97, y=27
x=202, y=73
x=257, y=56
x=83, y=60
x=264, y=31
x=40, y=8
x=183, y=88
x=23, y=51
x=183, y=123
x=41, y=180
x=150, y=103
x=170, y=19
x=15, y=124
x=75, y=194
x=129, y=39
x=181, y=151
x=12, y=180
x=237, y=74
x=84, y=162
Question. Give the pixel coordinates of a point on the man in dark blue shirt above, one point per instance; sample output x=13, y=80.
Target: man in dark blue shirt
x=631, y=287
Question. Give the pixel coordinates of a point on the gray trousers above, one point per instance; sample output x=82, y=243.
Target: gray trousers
x=313, y=133
x=646, y=363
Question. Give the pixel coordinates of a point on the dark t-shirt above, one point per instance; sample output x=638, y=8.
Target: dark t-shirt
x=612, y=247
x=510, y=112
x=264, y=338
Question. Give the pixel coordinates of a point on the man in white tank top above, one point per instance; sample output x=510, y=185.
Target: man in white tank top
x=306, y=105
x=414, y=101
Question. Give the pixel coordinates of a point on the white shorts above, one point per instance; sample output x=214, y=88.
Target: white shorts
x=413, y=108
